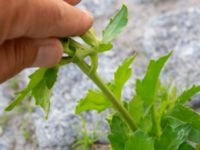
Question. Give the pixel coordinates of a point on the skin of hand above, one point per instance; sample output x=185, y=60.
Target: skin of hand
x=29, y=32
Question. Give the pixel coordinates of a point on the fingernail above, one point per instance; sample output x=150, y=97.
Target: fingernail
x=48, y=54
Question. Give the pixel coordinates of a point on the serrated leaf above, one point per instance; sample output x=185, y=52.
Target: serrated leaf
x=146, y=88
x=186, y=146
x=187, y=94
x=119, y=133
x=171, y=138
x=136, y=109
x=35, y=78
x=41, y=82
x=122, y=74
x=42, y=94
x=116, y=24
x=94, y=100
x=186, y=115
x=139, y=141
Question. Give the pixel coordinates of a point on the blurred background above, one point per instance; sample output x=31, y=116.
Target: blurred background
x=155, y=27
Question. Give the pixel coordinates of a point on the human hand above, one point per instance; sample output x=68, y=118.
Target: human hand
x=29, y=32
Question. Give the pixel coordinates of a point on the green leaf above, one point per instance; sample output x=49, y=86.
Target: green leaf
x=186, y=146
x=116, y=24
x=35, y=79
x=94, y=100
x=167, y=101
x=186, y=115
x=122, y=74
x=139, y=141
x=42, y=95
x=167, y=140
x=41, y=82
x=187, y=94
x=146, y=88
x=119, y=133
x=171, y=121
x=51, y=76
x=136, y=109
x=105, y=47
x=146, y=123
x=171, y=138
x=194, y=136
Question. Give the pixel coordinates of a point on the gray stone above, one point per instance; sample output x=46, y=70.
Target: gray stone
x=99, y=7
x=3, y=147
x=6, y=140
x=147, y=1
x=170, y=30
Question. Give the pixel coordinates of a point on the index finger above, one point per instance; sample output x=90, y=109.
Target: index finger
x=42, y=18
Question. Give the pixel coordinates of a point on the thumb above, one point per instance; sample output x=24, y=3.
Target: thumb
x=18, y=54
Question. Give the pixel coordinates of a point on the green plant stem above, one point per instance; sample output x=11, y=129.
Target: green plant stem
x=156, y=122
x=109, y=94
x=65, y=60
